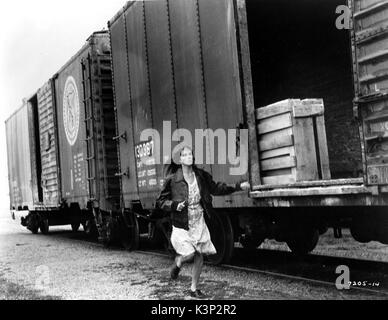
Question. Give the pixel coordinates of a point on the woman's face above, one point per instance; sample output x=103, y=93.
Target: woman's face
x=187, y=157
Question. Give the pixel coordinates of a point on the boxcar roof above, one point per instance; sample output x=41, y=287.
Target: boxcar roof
x=79, y=52
x=120, y=12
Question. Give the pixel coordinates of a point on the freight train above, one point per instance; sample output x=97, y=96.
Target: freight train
x=307, y=103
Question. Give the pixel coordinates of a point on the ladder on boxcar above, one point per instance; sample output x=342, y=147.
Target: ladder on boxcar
x=105, y=106
x=90, y=127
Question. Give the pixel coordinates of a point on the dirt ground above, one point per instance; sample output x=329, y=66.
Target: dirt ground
x=59, y=266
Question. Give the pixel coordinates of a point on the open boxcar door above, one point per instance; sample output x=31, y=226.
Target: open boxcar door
x=369, y=37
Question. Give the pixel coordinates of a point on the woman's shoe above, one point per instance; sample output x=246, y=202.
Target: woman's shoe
x=175, y=272
x=197, y=294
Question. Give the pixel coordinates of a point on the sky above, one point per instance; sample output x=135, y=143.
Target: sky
x=36, y=39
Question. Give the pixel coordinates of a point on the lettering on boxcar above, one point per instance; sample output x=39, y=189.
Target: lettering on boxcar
x=145, y=163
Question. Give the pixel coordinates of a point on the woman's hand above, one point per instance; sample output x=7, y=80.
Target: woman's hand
x=245, y=186
x=181, y=206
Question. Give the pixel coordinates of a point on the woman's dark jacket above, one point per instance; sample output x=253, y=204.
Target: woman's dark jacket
x=175, y=190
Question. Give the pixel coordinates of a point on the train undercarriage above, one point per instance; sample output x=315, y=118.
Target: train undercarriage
x=299, y=227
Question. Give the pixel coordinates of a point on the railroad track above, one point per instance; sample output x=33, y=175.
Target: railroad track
x=299, y=278
x=313, y=269
x=251, y=268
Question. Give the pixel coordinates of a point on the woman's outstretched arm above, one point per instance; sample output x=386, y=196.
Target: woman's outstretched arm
x=220, y=188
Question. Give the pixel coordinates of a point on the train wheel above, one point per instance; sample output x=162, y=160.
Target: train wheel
x=304, y=241
x=167, y=244
x=222, y=236
x=168, y=247
x=129, y=232
x=111, y=232
x=382, y=229
x=359, y=235
x=44, y=226
x=34, y=229
x=361, y=229
x=33, y=225
x=163, y=229
x=90, y=228
x=31, y=222
x=156, y=236
x=75, y=226
x=250, y=244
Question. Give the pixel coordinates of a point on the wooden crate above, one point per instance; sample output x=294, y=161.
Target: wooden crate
x=292, y=142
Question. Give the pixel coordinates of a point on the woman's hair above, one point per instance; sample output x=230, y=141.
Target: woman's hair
x=173, y=167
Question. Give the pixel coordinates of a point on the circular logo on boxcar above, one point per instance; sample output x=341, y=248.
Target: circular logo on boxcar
x=71, y=110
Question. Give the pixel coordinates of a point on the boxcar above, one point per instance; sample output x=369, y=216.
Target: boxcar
x=86, y=127
x=66, y=128
x=227, y=64
x=302, y=90
x=23, y=172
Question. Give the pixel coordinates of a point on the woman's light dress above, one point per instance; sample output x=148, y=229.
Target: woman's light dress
x=197, y=238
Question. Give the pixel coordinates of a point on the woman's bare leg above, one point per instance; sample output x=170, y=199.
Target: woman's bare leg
x=197, y=268
x=179, y=260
